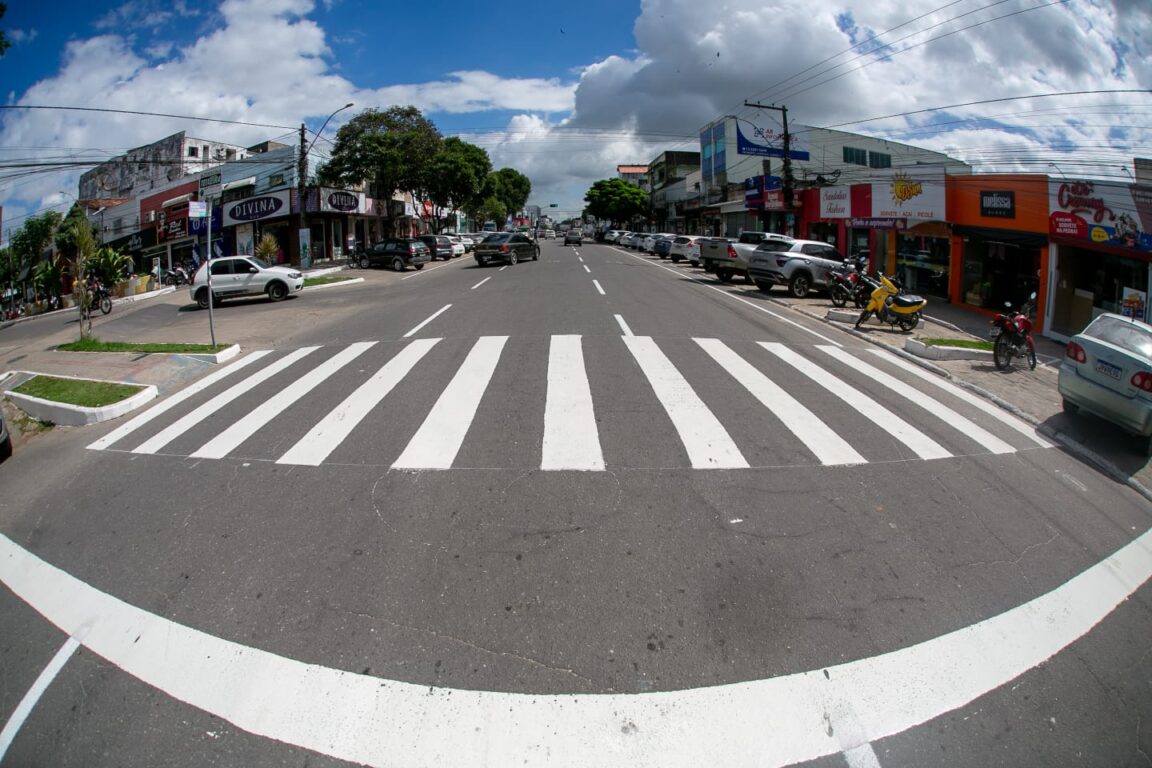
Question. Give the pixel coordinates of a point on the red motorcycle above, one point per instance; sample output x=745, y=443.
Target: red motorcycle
x=844, y=284
x=1012, y=335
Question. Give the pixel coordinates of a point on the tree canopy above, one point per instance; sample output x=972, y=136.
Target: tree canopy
x=615, y=200
x=457, y=176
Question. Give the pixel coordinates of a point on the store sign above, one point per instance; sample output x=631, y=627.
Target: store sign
x=878, y=223
x=172, y=228
x=835, y=202
x=914, y=193
x=257, y=208
x=769, y=142
x=342, y=201
x=1118, y=215
x=998, y=205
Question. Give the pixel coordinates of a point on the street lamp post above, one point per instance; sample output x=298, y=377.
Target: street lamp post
x=304, y=234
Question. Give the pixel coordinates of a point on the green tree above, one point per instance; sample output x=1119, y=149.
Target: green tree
x=456, y=177
x=490, y=209
x=4, y=44
x=392, y=149
x=616, y=200
x=511, y=188
x=28, y=244
x=110, y=265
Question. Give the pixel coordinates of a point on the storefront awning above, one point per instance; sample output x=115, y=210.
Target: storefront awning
x=736, y=207
x=248, y=182
x=176, y=200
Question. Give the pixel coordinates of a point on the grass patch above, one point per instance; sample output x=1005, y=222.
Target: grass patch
x=82, y=392
x=95, y=345
x=327, y=280
x=962, y=343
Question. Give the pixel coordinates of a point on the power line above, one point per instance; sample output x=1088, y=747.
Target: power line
x=145, y=114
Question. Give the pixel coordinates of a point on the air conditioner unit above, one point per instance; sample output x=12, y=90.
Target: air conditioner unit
x=150, y=216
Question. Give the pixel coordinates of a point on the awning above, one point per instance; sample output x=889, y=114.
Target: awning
x=736, y=207
x=248, y=182
x=176, y=200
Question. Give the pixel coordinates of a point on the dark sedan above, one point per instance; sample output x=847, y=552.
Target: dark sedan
x=506, y=247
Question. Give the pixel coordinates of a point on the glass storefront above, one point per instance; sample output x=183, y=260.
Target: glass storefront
x=1088, y=282
x=996, y=272
x=922, y=263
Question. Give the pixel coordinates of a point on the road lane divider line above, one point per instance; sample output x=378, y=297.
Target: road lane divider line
x=708, y=444
x=231, y=438
x=435, y=315
x=311, y=706
x=623, y=325
x=975, y=401
x=190, y=420
x=933, y=406
x=597, y=284
x=438, y=440
x=166, y=405
x=820, y=439
x=680, y=273
x=480, y=283
x=502, y=268
x=426, y=270
x=333, y=429
x=586, y=269
x=922, y=445
x=28, y=703
x=571, y=438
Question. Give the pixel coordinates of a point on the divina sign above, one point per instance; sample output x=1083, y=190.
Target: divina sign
x=343, y=201
x=256, y=208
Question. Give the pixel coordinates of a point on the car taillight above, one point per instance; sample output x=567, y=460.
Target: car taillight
x=731, y=252
x=503, y=248
x=1142, y=380
x=1076, y=352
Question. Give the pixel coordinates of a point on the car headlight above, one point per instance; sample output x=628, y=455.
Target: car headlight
x=296, y=275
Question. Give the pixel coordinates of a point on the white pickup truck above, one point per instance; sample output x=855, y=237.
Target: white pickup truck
x=727, y=257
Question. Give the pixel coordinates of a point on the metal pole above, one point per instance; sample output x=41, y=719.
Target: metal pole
x=208, y=267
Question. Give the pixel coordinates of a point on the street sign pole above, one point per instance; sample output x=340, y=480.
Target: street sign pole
x=204, y=208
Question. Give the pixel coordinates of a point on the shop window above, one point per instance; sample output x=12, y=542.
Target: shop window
x=193, y=152
x=879, y=160
x=855, y=156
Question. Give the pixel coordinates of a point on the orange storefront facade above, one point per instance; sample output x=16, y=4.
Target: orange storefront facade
x=999, y=240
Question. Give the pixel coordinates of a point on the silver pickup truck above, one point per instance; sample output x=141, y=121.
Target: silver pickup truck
x=727, y=257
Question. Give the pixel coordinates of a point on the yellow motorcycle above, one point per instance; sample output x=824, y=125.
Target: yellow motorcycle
x=890, y=304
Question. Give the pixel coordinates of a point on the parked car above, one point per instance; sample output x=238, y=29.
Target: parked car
x=238, y=276
x=648, y=244
x=663, y=247
x=573, y=237
x=464, y=243
x=507, y=247
x=1107, y=371
x=5, y=440
x=550, y=234
x=687, y=248
x=439, y=246
x=399, y=253
x=728, y=257
x=612, y=235
x=802, y=265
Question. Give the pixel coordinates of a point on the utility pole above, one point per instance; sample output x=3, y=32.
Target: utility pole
x=301, y=194
x=789, y=181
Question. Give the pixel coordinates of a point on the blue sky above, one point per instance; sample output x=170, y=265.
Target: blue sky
x=566, y=94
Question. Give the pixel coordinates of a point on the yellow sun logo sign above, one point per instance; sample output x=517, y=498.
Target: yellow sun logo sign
x=904, y=188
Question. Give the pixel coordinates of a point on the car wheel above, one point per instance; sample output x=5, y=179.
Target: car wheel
x=277, y=291
x=764, y=286
x=398, y=264
x=6, y=448
x=723, y=275
x=512, y=259
x=536, y=255
x=202, y=298
x=364, y=262
x=1000, y=353
x=800, y=285
x=1070, y=408
x=675, y=259
x=418, y=266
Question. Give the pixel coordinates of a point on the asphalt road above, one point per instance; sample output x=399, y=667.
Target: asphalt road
x=580, y=511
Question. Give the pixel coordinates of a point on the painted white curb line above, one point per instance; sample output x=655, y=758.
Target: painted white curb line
x=220, y=357
x=939, y=352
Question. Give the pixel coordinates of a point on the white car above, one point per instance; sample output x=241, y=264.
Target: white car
x=236, y=276
x=458, y=246
x=687, y=248
x=649, y=241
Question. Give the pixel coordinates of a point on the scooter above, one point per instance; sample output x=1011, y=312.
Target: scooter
x=890, y=304
x=1012, y=335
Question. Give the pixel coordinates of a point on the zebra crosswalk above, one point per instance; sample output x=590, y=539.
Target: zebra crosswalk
x=820, y=405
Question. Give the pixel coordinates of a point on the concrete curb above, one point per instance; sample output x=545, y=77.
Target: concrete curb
x=123, y=300
x=942, y=352
x=69, y=415
x=341, y=284
x=219, y=357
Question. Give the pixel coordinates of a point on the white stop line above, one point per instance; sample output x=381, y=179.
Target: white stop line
x=773, y=722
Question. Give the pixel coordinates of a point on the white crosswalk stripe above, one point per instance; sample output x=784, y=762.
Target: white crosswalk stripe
x=215, y=404
x=708, y=444
x=221, y=445
x=439, y=438
x=571, y=436
x=571, y=439
x=923, y=446
x=821, y=439
x=950, y=417
x=326, y=436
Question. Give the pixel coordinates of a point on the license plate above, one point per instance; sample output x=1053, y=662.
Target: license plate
x=1107, y=369
x=994, y=331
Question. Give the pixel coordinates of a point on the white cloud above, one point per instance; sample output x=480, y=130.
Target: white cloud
x=19, y=36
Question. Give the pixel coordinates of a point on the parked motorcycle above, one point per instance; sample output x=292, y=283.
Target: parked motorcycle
x=842, y=283
x=98, y=296
x=177, y=276
x=890, y=304
x=1012, y=335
